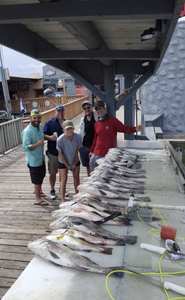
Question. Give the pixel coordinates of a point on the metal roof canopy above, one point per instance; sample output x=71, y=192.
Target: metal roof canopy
x=86, y=38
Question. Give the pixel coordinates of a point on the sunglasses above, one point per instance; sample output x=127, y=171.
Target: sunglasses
x=88, y=107
x=37, y=111
x=98, y=108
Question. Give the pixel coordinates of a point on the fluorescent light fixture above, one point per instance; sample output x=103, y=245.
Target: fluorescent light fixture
x=145, y=63
x=148, y=34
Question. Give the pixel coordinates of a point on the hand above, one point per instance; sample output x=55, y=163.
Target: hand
x=73, y=167
x=126, y=91
x=90, y=155
x=68, y=167
x=53, y=138
x=140, y=128
x=40, y=142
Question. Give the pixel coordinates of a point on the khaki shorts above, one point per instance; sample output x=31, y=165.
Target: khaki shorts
x=52, y=164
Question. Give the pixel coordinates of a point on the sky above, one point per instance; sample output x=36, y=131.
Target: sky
x=19, y=64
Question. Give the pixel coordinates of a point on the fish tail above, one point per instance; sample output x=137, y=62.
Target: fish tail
x=120, y=242
x=117, y=271
x=137, y=191
x=107, y=251
x=132, y=239
x=146, y=199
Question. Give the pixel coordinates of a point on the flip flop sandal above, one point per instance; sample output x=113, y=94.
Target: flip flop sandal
x=41, y=203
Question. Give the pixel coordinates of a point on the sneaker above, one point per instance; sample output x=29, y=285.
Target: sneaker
x=66, y=194
x=52, y=195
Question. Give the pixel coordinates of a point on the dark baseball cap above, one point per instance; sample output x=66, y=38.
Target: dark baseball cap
x=99, y=104
x=60, y=107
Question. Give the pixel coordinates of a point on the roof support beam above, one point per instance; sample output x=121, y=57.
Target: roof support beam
x=148, y=73
x=109, y=75
x=87, y=34
x=99, y=54
x=84, y=82
x=87, y=10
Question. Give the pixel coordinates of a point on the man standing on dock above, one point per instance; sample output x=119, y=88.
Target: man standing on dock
x=86, y=131
x=52, y=130
x=106, y=129
x=33, y=145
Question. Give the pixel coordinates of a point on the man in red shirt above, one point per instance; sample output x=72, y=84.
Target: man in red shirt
x=106, y=129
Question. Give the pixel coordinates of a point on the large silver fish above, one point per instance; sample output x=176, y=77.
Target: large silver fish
x=87, y=237
x=117, y=183
x=63, y=256
x=91, y=228
x=110, y=187
x=115, y=177
x=98, y=200
x=75, y=243
x=69, y=212
x=101, y=191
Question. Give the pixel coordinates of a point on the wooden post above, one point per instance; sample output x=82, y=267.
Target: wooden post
x=64, y=90
x=109, y=75
x=128, y=109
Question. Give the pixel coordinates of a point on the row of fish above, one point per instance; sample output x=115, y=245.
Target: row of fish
x=75, y=228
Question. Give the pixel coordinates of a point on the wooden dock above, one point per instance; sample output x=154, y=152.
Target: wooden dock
x=21, y=221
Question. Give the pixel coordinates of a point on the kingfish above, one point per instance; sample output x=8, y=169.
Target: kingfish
x=75, y=243
x=63, y=256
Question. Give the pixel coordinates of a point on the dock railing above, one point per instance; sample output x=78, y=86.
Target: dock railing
x=72, y=109
x=42, y=103
x=10, y=134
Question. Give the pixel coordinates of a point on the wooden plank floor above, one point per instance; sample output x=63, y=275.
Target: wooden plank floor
x=20, y=220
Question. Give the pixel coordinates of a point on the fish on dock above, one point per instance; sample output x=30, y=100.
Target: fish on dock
x=89, y=227
x=96, y=240
x=63, y=256
x=75, y=243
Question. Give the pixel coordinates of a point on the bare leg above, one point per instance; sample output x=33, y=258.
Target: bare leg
x=88, y=171
x=52, y=180
x=76, y=178
x=38, y=189
x=63, y=181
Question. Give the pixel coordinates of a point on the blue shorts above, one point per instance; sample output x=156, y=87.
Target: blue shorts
x=84, y=156
x=93, y=160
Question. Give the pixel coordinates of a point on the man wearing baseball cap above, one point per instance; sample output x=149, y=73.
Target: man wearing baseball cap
x=106, y=129
x=53, y=129
x=86, y=131
x=33, y=145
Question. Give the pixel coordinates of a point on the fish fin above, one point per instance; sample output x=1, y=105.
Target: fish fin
x=89, y=260
x=55, y=264
x=107, y=251
x=54, y=255
x=102, y=192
